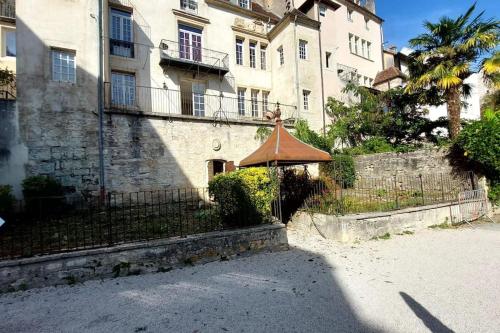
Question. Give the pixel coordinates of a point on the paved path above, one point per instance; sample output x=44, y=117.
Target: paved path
x=436, y=280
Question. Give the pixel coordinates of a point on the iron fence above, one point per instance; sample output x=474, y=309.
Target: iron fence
x=47, y=225
x=164, y=101
x=193, y=53
x=385, y=194
x=8, y=9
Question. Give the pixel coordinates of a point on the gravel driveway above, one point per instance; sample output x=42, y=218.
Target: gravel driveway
x=436, y=280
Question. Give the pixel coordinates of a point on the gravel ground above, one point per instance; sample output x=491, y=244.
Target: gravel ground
x=436, y=280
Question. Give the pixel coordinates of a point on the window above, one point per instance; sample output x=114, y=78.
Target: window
x=241, y=101
x=349, y=15
x=367, y=25
x=322, y=10
x=363, y=47
x=265, y=101
x=305, y=95
x=365, y=81
x=370, y=82
x=215, y=167
x=122, y=89
x=328, y=59
x=10, y=43
x=199, y=99
x=189, y=5
x=263, y=60
x=244, y=3
x=281, y=55
x=368, y=50
x=255, y=103
x=358, y=78
x=63, y=66
x=302, y=49
x=239, y=52
x=351, y=41
x=356, y=42
x=190, y=47
x=252, y=54
x=121, y=42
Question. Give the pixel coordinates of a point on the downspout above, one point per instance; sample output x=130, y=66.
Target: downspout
x=382, y=44
x=100, y=103
x=321, y=69
x=296, y=64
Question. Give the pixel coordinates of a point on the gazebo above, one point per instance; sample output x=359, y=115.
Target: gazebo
x=283, y=149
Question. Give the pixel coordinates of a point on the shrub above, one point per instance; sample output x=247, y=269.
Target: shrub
x=296, y=186
x=6, y=199
x=244, y=196
x=341, y=169
x=494, y=194
x=42, y=194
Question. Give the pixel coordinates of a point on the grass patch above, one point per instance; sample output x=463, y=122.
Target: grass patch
x=444, y=225
x=383, y=237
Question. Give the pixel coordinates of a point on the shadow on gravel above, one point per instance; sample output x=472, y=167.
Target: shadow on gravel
x=292, y=291
x=432, y=323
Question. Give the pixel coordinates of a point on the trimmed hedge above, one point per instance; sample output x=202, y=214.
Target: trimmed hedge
x=244, y=196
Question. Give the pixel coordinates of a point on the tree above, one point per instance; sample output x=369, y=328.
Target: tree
x=445, y=56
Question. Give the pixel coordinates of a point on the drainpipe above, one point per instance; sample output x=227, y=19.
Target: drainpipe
x=296, y=64
x=382, y=44
x=100, y=103
x=321, y=70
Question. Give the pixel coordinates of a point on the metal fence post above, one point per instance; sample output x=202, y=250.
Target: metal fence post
x=396, y=191
x=107, y=206
x=422, y=188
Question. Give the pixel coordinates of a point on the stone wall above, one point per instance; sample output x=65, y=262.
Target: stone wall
x=139, y=258
x=366, y=226
x=389, y=164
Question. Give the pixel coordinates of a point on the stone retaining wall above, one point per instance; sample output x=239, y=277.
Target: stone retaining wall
x=139, y=258
x=358, y=227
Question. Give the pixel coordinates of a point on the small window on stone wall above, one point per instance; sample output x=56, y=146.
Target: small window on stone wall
x=215, y=167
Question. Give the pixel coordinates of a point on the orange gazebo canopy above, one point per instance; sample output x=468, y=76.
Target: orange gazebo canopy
x=281, y=148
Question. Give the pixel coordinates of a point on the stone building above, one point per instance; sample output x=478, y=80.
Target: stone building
x=177, y=88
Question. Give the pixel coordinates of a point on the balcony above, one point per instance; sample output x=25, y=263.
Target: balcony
x=191, y=58
x=8, y=9
x=182, y=104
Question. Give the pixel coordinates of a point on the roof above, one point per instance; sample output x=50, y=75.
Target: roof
x=308, y=4
x=388, y=74
x=284, y=149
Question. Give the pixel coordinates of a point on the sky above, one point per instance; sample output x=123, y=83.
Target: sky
x=403, y=18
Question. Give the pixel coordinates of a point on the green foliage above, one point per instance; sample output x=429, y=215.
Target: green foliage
x=306, y=135
x=296, y=186
x=480, y=143
x=6, y=76
x=494, y=193
x=263, y=133
x=244, y=196
x=41, y=186
x=6, y=199
x=341, y=169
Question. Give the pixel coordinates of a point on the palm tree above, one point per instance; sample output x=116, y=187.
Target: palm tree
x=446, y=55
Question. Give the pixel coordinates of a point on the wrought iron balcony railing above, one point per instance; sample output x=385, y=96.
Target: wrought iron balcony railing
x=8, y=9
x=190, y=56
x=166, y=102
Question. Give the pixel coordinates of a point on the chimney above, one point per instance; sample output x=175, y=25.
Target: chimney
x=370, y=5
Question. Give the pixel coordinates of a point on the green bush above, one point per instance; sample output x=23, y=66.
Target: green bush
x=341, y=169
x=494, y=193
x=6, y=199
x=41, y=186
x=244, y=196
x=296, y=187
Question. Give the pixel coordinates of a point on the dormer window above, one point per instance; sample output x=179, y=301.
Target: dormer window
x=244, y=4
x=322, y=10
x=349, y=14
x=190, y=5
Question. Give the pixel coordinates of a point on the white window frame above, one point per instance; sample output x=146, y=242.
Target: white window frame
x=263, y=57
x=252, y=49
x=254, y=98
x=63, y=66
x=367, y=21
x=198, y=89
x=123, y=89
x=265, y=101
x=281, y=55
x=368, y=50
x=189, y=6
x=121, y=29
x=244, y=4
x=239, y=51
x=356, y=42
x=241, y=101
x=306, y=99
x=10, y=36
x=363, y=47
x=351, y=42
x=303, y=49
